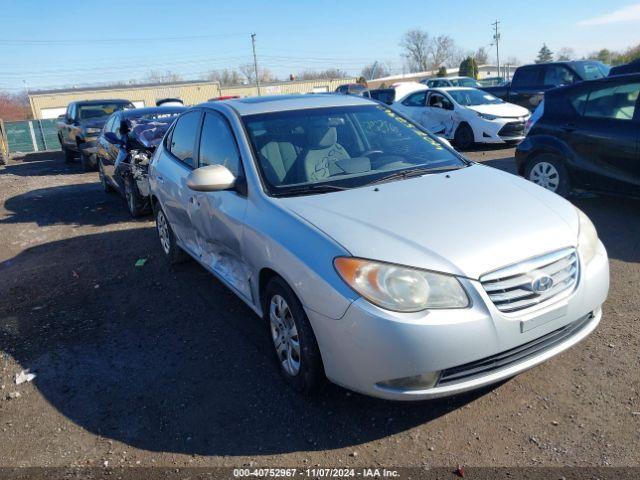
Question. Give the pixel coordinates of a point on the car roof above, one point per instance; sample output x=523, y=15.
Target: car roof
x=451, y=89
x=140, y=112
x=282, y=103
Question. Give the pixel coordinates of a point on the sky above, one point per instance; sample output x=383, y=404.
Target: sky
x=52, y=43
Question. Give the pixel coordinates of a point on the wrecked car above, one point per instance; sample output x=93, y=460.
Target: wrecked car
x=125, y=147
x=465, y=115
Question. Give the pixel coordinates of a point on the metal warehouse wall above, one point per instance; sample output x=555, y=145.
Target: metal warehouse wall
x=191, y=93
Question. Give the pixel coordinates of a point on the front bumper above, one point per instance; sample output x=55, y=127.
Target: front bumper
x=369, y=345
x=499, y=131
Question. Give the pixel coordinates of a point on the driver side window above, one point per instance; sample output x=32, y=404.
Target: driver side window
x=437, y=100
x=416, y=99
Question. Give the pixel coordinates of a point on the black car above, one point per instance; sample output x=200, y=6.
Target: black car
x=586, y=136
x=631, y=67
x=124, y=150
x=79, y=127
x=531, y=81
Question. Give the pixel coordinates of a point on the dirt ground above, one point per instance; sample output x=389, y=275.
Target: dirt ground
x=161, y=366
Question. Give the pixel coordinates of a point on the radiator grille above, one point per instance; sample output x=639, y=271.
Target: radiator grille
x=532, y=282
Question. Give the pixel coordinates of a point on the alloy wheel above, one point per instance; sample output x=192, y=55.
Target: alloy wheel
x=163, y=232
x=546, y=175
x=284, y=334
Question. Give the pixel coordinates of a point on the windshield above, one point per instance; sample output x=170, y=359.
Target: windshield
x=469, y=98
x=591, y=70
x=100, y=110
x=302, y=151
x=464, y=82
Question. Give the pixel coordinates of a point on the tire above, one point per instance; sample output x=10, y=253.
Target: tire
x=69, y=156
x=87, y=164
x=172, y=252
x=137, y=204
x=463, y=138
x=103, y=179
x=288, y=325
x=549, y=172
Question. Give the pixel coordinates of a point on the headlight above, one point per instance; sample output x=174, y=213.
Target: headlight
x=401, y=289
x=587, y=238
x=487, y=116
x=93, y=130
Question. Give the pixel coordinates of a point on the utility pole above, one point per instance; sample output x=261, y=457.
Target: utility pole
x=255, y=61
x=496, y=39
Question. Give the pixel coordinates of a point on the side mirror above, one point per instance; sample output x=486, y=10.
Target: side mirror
x=113, y=139
x=212, y=178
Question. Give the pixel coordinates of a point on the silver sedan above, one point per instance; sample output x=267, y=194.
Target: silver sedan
x=378, y=257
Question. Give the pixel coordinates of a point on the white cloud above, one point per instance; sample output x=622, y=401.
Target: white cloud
x=630, y=13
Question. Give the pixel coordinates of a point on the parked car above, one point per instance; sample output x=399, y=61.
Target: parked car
x=169, y=102
x=4, y=145
x=465, y=115
x=631, y=67
x=439, y=82
x=79, y=127
x=124, y=149
x=529, y=82
x=383, y=95
x=587, y=136
x=354, y=89
x=375, y=254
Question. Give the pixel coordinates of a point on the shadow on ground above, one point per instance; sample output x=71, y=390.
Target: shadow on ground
x=168, y=359
x=41, y=163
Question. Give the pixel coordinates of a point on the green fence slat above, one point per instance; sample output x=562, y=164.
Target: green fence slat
x=19, y=135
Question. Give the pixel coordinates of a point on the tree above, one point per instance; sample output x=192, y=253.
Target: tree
x=481, y=56
x=329, y=74
x=468, y=68
x=441, y=51
x=375, y=70
x=415, y=46
x=225, y=77
x=248, y=71
x=566, y=54
x=544, y=54
x=14, y=107
x=156, y=76
x=442, y=71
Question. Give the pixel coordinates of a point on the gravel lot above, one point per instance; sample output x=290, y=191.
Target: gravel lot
x=160, y=366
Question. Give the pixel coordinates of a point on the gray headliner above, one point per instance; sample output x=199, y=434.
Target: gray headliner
x=281, y=103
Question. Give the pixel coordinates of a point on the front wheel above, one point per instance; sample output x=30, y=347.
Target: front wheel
x=295, y=346
x=87, y=163
x=138, y=205
x=69, y=156
x=463, y=138
x=172, y=252
x=549, y=172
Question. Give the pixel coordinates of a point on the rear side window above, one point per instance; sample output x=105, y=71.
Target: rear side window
x=527, y=77
x=556, y=75
x=183, y=138
x=218, y=145
x=416, y=99
x=615, y=102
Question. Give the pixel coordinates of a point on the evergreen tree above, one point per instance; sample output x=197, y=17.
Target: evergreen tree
x=442, y=71
x=544, y=55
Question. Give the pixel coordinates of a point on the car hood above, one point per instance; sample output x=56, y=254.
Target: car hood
x=467, y=222
x=501, y=109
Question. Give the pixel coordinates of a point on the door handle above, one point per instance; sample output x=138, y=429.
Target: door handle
x=160, y=178
x=568, y=127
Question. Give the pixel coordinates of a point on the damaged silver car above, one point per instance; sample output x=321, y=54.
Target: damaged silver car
x=125, y=147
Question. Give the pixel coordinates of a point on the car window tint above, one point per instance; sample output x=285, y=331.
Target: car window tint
x=184, y=136
x=615, y=102
x=578, y=101
x=556, y=75
x=217, y=144
x=416, y=99
x=527, y=77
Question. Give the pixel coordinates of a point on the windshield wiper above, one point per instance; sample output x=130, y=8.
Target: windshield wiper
x=312, y=188
x=402, y=175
